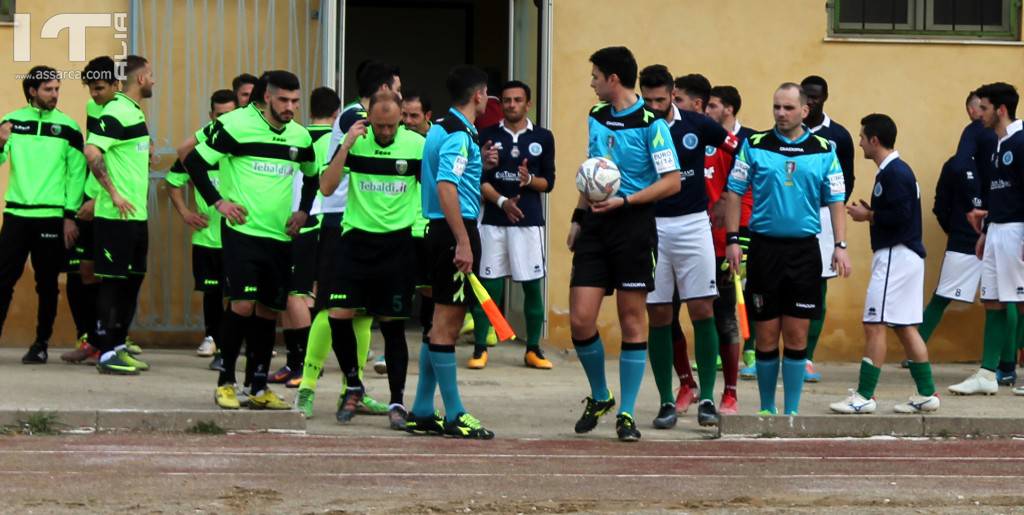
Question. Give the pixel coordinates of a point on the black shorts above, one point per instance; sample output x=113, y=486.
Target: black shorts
x=422, y=262
x=616, y=250
x=783, y=277
x=450, y=287
x=304, y=257
x=327, y=249
x=255, y=268
x=376, y=274
x=120, y=247
x=208, y=268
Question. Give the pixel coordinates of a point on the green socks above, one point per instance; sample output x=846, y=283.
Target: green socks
x=922, y=374
x=706, y=352
x=659, y=348
x=533, y=309
x=481, y=326
x=814, y=331
x=869, y=375
x=997, y=332
x=932, y=316
x=318, y=346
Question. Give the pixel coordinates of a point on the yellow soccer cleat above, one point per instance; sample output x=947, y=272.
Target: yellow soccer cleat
x=467, y=325
x=225, y=397
x=476, y=363
x=267, y=400
x=534, y=358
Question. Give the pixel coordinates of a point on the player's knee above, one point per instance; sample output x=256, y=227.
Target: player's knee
x=660, y=314
x=243, y=308
x=701, y=309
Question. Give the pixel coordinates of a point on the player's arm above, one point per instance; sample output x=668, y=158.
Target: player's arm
x=204, y=158
x=307, y=193
x=5, y=134
x=187, y=147
x=943, y=207
x=739, y=182
x=718, y=137
x=833, y=190
x=331, y=177
x=110, y=131
x=844, y=152
x=176, y=180
x=451, y=165
x=544, y=180
x=74, y=186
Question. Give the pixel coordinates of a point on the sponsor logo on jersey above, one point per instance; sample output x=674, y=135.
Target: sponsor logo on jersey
x=392, y=188
x=507, y=176
x=999, y=184
x=536, y=149
x=278, y=169
x=55, y=130
x=690, y=141
x=402, y=166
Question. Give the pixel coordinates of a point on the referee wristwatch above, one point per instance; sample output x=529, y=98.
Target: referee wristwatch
x=841, y=244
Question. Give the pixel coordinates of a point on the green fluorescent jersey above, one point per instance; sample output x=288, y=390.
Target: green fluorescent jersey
x=124, y=139
x=177, y=177
x=321, y=135
x=93, y=111
x=382, y=189
x=47, y=167
x=261, y=161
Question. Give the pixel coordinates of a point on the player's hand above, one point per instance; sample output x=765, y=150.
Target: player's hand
x=607, y=205
x=70, y=233
x=124, y=208
x=976, y=217
x=734, y=255
x=841, y=262
x=195, y=220
x=979, y=247
x=355, y=132
x=524, y=174
x=5, y=133
x=490, y=155
x=574, y=232
x=860, y=212
x=718, y=214
x=297, y=220
x=86, y=212
x=512, y=211
x=233, y=212
x=463, y=257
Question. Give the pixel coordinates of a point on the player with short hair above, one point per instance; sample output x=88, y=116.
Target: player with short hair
x=820, y=124
x=242, y=87
x=512, y=227
x=896, y=288
x=416, y=112
x=615, y=241
x=790, y=172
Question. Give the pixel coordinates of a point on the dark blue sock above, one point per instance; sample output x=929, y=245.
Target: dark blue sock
x=767, y=365
x=442, y=357
x=423, y=406
x=794, y=364
x=632, y=362
x=591, y=355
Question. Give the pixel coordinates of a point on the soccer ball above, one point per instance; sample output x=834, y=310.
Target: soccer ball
x=598, y=179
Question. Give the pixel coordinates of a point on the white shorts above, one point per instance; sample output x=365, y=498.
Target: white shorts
x=515, y=251
x=827, y=244
x=686, y=259
x=896, y=289
x=959, y=277
x=1002, y=268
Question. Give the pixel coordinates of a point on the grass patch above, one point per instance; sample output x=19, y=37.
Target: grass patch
x=40, y=423
x=206, y=427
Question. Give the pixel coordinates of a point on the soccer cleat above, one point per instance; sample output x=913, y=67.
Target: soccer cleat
x=534, y=358
x=854, y=404
x=982, y=382
x=295, y=381
x=430, y=425
x=206, y=348
x=477, y=363
x=748, y=373
x=1006, y=378
x=594, y=410
x=37, y=354
x=369, y=406
x=767, y=413
x=918, y=404
x=380, y=366
x=492, y=338
x=349, y=402
x=1019, y=390
x=685, y=396
x=80, y=354
x=217, y=363
x=707, y=415
x=667, y=417
x=82, y=340
x=749, y=358
x=467, y=325
x=267, y=400
x=811, y=375
x=304, y=402
x=117, y=366
x=126, y=356
x=225, y=398
x=281, y=376
x=467, y=426
x=625, y=428
x=729, y=403
x=132, y=347
x=397, y=415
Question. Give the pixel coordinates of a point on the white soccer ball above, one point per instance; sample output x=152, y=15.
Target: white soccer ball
x=598, y=179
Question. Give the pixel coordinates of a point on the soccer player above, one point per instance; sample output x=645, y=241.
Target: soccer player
x=896, y=289
x=791, y=172
x=376, y=274
x=820, y=124
x=205, y=221
x=242, y=86
x=512, y=228
x=262, y=149
x=416, y=112
x=999, y=246
x=47, y=177
x=118, y=155
x=615, y=241
x=451, y=169
x=686, y=253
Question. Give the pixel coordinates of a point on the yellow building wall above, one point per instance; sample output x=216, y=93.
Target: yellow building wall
x=755, y=46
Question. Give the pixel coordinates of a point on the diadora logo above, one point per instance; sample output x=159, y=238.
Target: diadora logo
x=634, y=285
x=612, y=123
x=791, y=149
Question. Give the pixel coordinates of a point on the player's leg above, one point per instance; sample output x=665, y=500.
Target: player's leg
x=698, y=285
x=396, y=352
x=495, y=267
x=688, y=392
x=260, y=343
x=932, y=316
x=813, y=334
x=343, y=338
x=121, y=248
x=528, y=264
x=728, y=337
x=1006, y=372
x=296, y=324
x=706, y=345
x=767, y=363
x=794, y=361
x=47, y=254
x=861, y=400
x=766, y=265
x=660, y=313
x=15, y=242
x=633, y=358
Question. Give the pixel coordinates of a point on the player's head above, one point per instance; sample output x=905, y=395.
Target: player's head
x=221, y=101
x=656, y=89
x=515, y=100
x=723, y=104
x=373, y=76
x=467, y=86
x=973, y=106
x=259, y=90
x=816, y=90
x=877, y=134
x=385, y=114
x=282, y=96
x=416, y=113
x=691, y=92
x=324, y=104
x=614, y=70
x=789, y=107
x=41, y=86
x=138, y=76
x=998, y=104
x=242, y=87
x=99, y=76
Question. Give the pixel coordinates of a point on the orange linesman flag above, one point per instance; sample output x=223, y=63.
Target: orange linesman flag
x=501, y=326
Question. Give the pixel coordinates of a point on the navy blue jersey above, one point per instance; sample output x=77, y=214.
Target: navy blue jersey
x=537, y=146
x=896, y=205
x=842, y=143
x=952, y=202
x=1006, y=184
x=692, y=133
x=743, y=133
x=974, y=158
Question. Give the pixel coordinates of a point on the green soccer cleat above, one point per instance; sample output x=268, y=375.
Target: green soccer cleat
x=127, y=357
x=304, y=402
x=116, y=366
x=132, y=347
x=371, y=406
x=467, y=426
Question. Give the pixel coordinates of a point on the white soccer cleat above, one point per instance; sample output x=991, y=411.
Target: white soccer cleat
x=918, y=404
x=855, y=404
x=983, y=382
x=1018, y=390
x=207, y=348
